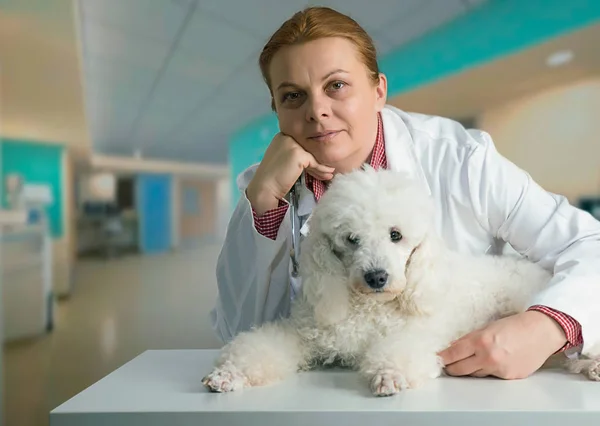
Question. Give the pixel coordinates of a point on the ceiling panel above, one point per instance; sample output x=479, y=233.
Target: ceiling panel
x=117, y=82
x=427, y=17
x=110, y=123
x=154, y=19
x=375, y=14
x=114, y=94
x=382, y=43
x=475, y=3
x=220, y=117
x=112, y=148
x=205, y=97
x=194, y=66
x=229, y=113
x=187, y=81
x=216, y=41
x=258, y=17
x=177, y=95
x=151, y=130
x=116, y=46
x=241, y=94
x=211, y=140
x=212, y=148
x=247, y=82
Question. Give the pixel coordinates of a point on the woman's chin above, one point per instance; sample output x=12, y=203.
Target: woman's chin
x=337, y=159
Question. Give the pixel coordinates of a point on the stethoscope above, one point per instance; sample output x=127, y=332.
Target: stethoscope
x=294, y=197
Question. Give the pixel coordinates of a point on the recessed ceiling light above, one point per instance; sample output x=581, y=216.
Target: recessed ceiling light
x=559, y=58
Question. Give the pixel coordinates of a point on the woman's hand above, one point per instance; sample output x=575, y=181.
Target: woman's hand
x=282, y=164
x=510, y=348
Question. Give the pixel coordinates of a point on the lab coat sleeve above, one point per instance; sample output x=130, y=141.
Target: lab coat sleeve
x=252, y=274
x=544, y=228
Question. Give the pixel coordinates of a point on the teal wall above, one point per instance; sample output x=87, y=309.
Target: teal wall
x=37, y=163
x=495, y=29
x=248, y=146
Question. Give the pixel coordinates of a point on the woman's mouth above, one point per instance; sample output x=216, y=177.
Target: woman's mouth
x=324, y=136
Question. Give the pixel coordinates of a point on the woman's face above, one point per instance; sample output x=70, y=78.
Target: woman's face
x=326, y=101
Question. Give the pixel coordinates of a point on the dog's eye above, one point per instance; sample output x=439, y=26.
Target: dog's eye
x=395, y=235
x=353, y=239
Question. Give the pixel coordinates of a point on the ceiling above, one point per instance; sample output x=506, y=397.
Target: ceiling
x=172, y=79
x=465, y=95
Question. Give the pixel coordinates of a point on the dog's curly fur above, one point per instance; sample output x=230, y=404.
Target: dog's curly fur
x=380, y=221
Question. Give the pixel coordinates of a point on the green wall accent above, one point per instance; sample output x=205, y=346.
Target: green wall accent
x=495, y=29
x=37, y=163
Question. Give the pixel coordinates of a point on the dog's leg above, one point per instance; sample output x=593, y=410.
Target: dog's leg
x=590, y=368
x=259, y=357
x=400, y=362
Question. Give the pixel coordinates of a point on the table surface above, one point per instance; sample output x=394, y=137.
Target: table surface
x=164, y=388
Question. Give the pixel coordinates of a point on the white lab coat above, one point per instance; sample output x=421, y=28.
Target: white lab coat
x=482, y=201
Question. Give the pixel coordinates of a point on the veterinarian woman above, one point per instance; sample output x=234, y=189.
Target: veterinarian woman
x=330, y=98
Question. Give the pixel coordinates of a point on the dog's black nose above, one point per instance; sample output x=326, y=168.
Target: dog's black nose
x=376, y=278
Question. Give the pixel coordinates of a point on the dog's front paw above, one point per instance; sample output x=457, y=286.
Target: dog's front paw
x=225, y=379
x=388, y=382
x=593, y=371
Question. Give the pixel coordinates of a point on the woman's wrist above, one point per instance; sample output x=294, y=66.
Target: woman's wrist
x=555, y=335
x=261, y=199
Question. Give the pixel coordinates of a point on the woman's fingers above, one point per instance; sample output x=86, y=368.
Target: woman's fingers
x=480, y=373
x=324, y=169
x=319, y=175
x=319, y=171
x=465, y=367
x=311, y=163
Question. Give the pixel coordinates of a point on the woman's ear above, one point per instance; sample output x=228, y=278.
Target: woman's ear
x=381, y=91
x=324, y=282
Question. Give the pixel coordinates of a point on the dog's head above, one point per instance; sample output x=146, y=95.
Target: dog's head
x=364, y=233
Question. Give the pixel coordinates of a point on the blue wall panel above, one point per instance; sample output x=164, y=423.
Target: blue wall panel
x=154, y=212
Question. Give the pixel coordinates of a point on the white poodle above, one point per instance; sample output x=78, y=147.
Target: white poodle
x=380, y=294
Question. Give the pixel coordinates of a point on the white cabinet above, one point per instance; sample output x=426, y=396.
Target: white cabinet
x=26, y=277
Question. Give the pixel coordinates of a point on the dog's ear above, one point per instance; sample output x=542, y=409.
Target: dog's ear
x=422, y=257
x=419, y=283
x=324, y=284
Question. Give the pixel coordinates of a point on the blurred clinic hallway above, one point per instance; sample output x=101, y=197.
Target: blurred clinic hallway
x=125, y=125
x=118, y=309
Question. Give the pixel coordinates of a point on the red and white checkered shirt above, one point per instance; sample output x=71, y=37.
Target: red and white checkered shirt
x=268, y=225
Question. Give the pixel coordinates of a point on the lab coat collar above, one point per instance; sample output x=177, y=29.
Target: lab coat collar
x=399, y=146
x=399, y=151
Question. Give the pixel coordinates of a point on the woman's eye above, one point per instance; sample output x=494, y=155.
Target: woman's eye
x=395, y=236
x=291, y=96
x=353, y=239
x=337, y=85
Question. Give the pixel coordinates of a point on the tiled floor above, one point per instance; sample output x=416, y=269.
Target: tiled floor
x=118, y=309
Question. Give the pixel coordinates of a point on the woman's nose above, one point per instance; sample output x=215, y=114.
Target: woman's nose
x=317, y=108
